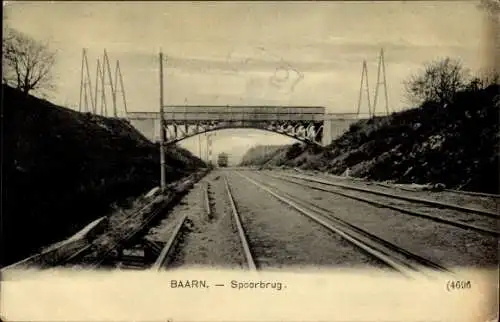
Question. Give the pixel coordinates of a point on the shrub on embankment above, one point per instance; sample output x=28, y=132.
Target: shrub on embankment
x=62, y=169
x=457, y=145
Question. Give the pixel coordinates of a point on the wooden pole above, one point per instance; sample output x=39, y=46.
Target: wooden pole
x=162, y=130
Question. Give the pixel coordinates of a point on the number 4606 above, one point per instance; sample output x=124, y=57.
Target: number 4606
x=458, y=285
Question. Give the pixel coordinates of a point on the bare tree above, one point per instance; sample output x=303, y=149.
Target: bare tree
x=438, y=82
x=26, y=63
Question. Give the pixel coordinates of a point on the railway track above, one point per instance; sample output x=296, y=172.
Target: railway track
x=207, y=200
x=122, y=246
x=151, y=255
x=410, y=189
x=448, y=214
x=250, y=263
x=165, y=258
x=472, y=193
x=393, y=256
x=434, y=203
x=68, y=253
x=126, y=247
x=122, y=250
x=166, y=254
x=455, y=191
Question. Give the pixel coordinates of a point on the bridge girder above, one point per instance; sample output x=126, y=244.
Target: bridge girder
x=309, y=132
x=310, y=125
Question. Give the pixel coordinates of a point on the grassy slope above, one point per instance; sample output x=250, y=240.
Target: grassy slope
x=62, y=169
x=260, y=154
x=457, y=145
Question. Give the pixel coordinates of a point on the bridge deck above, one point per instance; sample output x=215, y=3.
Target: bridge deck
x=242, y=113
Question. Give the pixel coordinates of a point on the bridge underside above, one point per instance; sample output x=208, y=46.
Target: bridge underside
x=306, y=131
x=307, y=124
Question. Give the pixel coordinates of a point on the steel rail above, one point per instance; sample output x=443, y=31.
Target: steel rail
x=241, y=232
x=207, y=200
x=129, y=218
x=131, y=234
x=370, y=248
x=375, y=246
x=54, y=248
x=473, y=193
x=329, y=214
x=399, y=209
x=66, y=259
x=412, y=199
x=167, y=251
x=167, y=199
x=401, y=187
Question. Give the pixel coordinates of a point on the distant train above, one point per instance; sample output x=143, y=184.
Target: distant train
x=222, y=160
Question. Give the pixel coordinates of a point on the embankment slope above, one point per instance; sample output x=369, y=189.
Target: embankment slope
x=456, y=145
x=62, y=169
x=260, y=154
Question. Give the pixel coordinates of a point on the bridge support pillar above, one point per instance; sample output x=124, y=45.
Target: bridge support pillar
x=327, y=132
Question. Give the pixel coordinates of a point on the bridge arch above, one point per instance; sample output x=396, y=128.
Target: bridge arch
x=306, y=132
x=302, y=139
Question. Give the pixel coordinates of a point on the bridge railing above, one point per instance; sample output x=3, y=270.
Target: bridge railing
x=245, y=113
x=242, y=117
x=246, y=109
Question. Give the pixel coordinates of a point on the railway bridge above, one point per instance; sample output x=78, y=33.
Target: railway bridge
x=309, y=124
x=171, y=124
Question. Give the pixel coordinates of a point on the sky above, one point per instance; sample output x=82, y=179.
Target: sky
x=229, y=52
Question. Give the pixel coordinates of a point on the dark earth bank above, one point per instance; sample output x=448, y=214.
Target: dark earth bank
x=456, y=145
x=62, y=169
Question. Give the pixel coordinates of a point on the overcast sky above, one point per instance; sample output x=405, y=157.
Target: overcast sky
x=228, y=53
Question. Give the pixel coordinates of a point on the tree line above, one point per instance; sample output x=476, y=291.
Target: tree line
x=440, y=80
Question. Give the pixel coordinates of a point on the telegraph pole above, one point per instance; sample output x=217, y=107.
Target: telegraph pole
x=163, y=183
x=199, y=146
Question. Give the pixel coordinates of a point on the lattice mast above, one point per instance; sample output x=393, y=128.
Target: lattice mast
x=98, y=94
x=107, y=69
x=106, y=84
x=364, y=75
x=209, y=146
x=99, y=80
x=118, y=76
x=85, y=85
x=381, y=67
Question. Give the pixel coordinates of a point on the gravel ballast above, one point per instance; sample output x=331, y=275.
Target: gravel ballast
x=208, y=242
x=281, y=237
x=444, y=244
